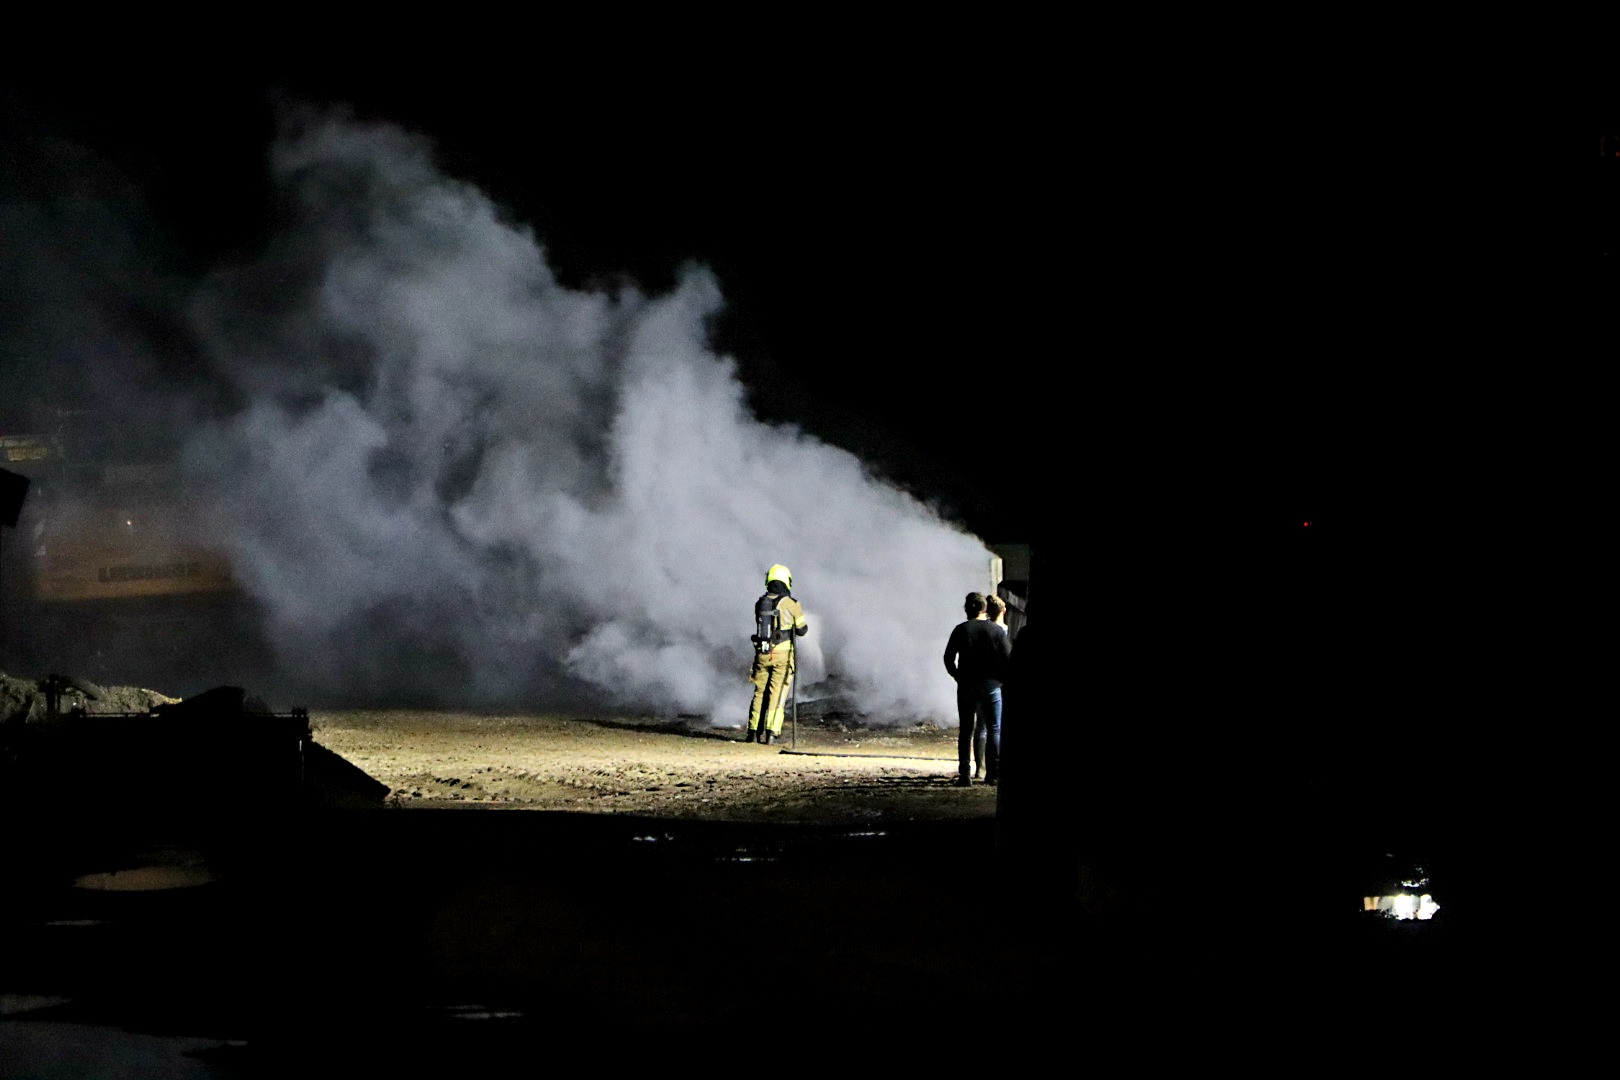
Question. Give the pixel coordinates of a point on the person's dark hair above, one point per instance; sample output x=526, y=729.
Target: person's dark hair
x=973, y=604
x=995, y=605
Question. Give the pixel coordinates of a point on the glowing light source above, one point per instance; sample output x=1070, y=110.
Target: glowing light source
x=1402, y=906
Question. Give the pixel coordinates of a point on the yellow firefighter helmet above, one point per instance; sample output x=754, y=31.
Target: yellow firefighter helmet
x=780, y=573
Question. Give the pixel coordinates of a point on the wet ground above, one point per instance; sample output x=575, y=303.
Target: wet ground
x=425, y=939
x=635, y=897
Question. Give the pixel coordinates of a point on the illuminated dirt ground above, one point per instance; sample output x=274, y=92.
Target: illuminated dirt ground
x=828, y=774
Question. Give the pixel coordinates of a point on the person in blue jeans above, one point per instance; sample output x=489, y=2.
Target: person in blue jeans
x=995, y=613
x=976, y=657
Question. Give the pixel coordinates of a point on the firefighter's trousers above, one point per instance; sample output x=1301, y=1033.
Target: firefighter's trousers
x=773, y=681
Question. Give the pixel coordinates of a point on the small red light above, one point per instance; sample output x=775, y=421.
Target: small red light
x=1307, y=525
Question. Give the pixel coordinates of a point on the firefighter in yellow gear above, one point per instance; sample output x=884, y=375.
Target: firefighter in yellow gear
x=778, y=619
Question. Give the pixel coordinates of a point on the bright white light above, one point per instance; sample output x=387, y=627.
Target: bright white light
x=1402, y=906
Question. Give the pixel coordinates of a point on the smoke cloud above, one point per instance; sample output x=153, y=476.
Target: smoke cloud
x=453, y=477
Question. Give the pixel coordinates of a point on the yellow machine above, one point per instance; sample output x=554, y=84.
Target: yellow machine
x=102, y=526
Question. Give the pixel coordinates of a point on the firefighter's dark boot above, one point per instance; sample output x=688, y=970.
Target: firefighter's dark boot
x=764, y=736
x=753, y=736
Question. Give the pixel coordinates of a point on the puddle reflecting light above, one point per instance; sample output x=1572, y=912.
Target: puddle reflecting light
x=145, y=879
x=17, y=1004
x=482, y=1012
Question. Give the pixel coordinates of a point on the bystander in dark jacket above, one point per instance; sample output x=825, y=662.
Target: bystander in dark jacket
x=976, y=657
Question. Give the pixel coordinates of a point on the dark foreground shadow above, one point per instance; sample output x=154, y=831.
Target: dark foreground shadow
x=390, y=939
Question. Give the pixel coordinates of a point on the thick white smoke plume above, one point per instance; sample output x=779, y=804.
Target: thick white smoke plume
x=453, y=476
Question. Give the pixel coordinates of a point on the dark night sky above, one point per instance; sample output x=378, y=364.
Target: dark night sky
x=883, y=280
x=1173, y=340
